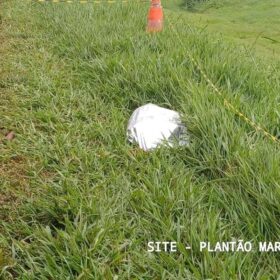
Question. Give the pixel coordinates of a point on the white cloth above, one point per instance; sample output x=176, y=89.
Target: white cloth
x=151, y=125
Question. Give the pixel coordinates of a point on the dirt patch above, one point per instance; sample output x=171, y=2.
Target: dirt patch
x=14, y=188
x=14, y=179
x=13, y=167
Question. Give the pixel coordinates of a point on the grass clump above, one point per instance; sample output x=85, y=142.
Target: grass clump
x=190, y=4
x=96, y=201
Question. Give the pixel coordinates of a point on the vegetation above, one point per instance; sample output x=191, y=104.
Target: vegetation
x=191, y=4
x=78, y=201
x=252, y=24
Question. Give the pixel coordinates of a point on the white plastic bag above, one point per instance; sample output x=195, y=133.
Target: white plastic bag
x=151, y=125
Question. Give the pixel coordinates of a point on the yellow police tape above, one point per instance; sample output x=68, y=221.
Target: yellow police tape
x=93, y=1
x=227, y=103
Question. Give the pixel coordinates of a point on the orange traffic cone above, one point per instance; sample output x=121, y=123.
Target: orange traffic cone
x=155, y=17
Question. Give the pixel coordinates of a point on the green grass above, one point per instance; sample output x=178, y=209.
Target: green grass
x=254, y=24
x=80, y=202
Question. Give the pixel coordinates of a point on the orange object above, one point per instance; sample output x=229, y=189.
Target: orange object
x=155, y=17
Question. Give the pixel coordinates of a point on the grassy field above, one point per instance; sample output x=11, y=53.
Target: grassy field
x=254, y=24
x=79, y=202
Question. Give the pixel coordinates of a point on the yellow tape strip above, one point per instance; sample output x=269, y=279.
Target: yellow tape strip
x=227, y=103
x=93, y=1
